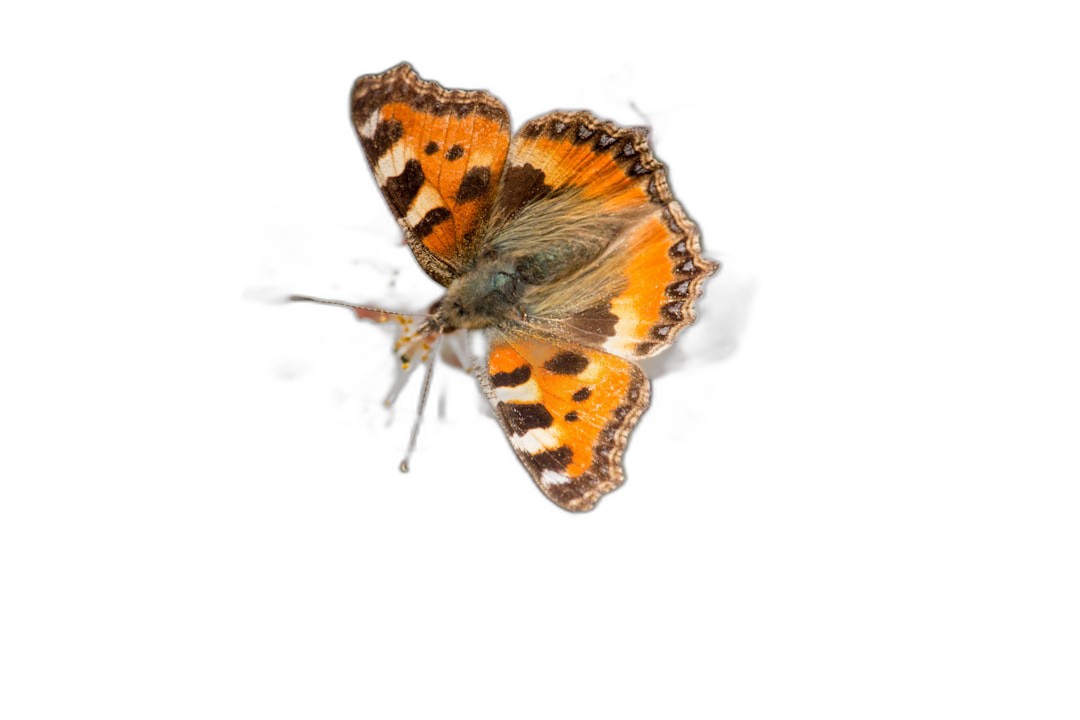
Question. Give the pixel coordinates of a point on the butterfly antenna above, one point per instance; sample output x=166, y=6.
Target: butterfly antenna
x=430, y=359
x=362, y=308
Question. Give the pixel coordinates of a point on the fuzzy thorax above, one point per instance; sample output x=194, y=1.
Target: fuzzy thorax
x=487, y=295
x=555, y=254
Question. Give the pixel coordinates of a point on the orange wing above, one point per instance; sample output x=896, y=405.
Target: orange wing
x=437, y=155
x=659, y=261
x=568, y=411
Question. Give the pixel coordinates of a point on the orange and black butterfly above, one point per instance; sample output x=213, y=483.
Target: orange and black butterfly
x=562, y=243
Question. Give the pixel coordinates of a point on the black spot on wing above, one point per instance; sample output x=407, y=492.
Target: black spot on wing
x=386, y=134
x=583, y=133
x=567, y=363
x=513, y=378
x=673, y=225
x=596, y=321
x=401, y=189
x=520, y=418
x=427, y=223
x=571, y=416
x=431, y=148
x=680, y=289
x=557, y=460
x=474, y=185
x=581, y=395
x=685, y=268
x=454, y=153
x=521, y=185
x=654, y=191
x=672, y=311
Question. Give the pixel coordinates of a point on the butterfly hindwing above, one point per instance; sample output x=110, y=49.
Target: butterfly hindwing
x=567, y=410
x=663, y=274
x=437, y=155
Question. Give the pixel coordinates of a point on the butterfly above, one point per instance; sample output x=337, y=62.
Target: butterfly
x=561, y=243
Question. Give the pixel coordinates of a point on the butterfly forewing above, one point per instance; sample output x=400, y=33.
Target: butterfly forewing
x=437, y=155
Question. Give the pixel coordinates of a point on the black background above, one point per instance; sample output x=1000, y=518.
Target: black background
x=740, y=463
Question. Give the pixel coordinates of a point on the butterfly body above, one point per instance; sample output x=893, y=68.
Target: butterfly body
x=563, y=244
x=542, y=261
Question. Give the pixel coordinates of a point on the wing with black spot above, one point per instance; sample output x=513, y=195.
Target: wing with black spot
x=437, y=155
x=567, y=410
